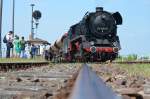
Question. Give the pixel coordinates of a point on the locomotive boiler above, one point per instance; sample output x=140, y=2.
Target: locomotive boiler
x=94, y=38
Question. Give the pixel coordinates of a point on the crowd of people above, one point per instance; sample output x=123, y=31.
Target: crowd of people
x=17, y=45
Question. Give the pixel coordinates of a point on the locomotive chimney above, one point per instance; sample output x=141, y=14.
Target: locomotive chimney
x=99, y=9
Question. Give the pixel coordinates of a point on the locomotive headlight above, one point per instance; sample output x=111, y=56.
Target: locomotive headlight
x=92, y=43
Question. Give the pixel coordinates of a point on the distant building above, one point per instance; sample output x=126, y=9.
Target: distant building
x=39, y=43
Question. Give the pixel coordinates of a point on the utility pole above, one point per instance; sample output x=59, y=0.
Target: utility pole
x=13, y=16
x=13, y=21
x=32, y=28
x=1, y=10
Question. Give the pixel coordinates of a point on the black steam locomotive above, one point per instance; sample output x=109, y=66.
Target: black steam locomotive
x=94, y=38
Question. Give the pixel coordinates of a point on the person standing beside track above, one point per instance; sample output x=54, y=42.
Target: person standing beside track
x=8, y=39
x=22, y=47
x=33, y=51
x=17, y=46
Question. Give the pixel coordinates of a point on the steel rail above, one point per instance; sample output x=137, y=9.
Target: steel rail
x=89, y=86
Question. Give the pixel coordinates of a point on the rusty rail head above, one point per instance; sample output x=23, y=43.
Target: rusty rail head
x=89, y=86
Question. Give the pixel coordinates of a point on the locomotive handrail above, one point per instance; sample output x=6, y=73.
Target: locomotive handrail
x=86, y=14
x=89, y=86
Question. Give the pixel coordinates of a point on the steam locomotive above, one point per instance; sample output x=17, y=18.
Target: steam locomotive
x=94, y=38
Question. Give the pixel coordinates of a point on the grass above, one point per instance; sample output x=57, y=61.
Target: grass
x=136, y=69
x=8, y=60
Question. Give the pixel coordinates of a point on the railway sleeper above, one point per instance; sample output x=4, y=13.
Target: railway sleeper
x=132, y=96
x=133, y=93
x=20, y=66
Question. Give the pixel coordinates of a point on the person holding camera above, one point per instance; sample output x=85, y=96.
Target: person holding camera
x=8, y=39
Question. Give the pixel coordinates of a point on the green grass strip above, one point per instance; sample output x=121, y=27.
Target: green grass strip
x=136, y=69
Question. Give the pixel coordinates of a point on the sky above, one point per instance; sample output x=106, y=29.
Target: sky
x=59, y=15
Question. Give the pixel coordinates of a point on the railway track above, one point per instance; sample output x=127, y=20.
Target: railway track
x=61, y=81
x=20, y=65
x=25, y=65
x=35, y=83
x=132, y=62
x=87, y=85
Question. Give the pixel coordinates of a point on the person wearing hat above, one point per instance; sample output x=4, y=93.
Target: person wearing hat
x=9, y=43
